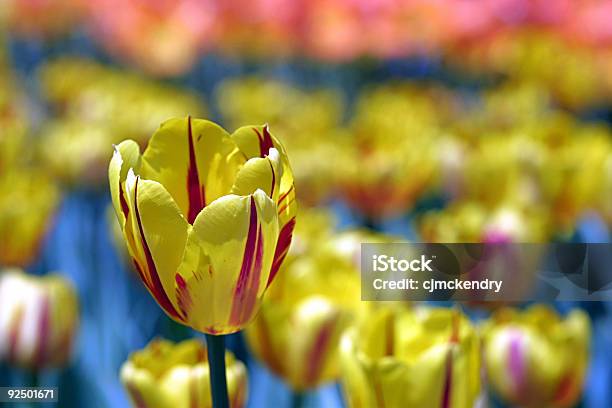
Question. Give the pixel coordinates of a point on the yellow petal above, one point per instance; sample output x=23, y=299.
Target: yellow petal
x=312, y=354
x=125, y=157
x=227, y=262
x=142, y=389
x=159, y=238
x=195, y=160
x=260, y=173
x=257, y=141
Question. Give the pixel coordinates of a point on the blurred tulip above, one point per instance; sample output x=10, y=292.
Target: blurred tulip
x=89, y=92
x=28, y=201
x=41, y=18
x=472, y=222
x=12, y=141
x=605, y=204
x=39, y=318
x=161, y=37
x=572, y=180
x=297, y=330
x=85, y=95
x=411, y=358
x=535, y=358
x=76, y=152
x=513, y=161
x=390, y=160
x=165, y=375
x=207, y=217
x=13, y=117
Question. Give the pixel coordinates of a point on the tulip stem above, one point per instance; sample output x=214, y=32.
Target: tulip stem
x=216, y=361
x=297, y=399
x=32, y=378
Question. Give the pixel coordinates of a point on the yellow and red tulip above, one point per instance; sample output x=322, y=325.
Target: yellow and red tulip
x=535, y=358
x=389, y=162
x=411, y=358
x=169, y=375
x=207, y=217
x=470, y=221
x=573, y=177
x=297, y=331
x=39, y=317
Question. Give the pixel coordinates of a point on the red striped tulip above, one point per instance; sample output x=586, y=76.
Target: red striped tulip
x=168, y=375
x=38, y=319
x=405, y=358
x=207, y=218
x=535, y=358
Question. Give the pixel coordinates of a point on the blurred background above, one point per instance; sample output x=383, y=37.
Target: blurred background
x=436, y=121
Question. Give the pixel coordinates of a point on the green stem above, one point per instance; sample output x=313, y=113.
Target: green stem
x=297, y=399
x=216, y=362
x=32, y=379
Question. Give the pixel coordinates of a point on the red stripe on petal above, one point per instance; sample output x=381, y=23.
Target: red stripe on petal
x=182, y=294
x=282, y=247
x=265, y=141
x=448, y=380
x=285, y=205
x=137, y=398
x=318, y=352
x=124, y=205
x=42, y=340
x=156, y=287
x=14, y=332
x=273, y=179
x=195, y=191
x=448, y=376
x=193, y=390
x=516, y=364
x=285, y=194
x=245, y=293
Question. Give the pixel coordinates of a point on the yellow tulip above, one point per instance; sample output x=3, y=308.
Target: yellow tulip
x=169, y=375
x=470, y=221
x=411, y=358
x=535, y=358
x=39, y=317
x=574, y=177
x=297, y=331
x=207, y=218
x=28, y=200
x=388, y=158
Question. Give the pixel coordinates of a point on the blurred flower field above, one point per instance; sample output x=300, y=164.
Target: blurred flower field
x=448, y=121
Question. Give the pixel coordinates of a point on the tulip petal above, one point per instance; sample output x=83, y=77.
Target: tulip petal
x=195, y=160
x=319, y=321
x=254, y=141
x=142, y=388
x=125, y=157
x=257, y=141
x=260, y=173
x=160, y=235
x=233, y=237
